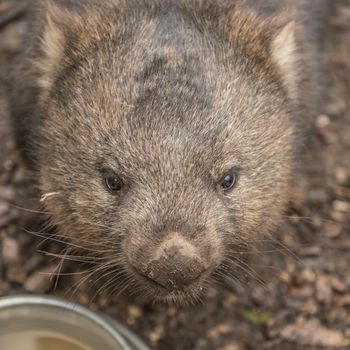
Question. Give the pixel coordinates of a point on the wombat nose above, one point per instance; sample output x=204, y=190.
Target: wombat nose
x=177, y=265
x=175, y=271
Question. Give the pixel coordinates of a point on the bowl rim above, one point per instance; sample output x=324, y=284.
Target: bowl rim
x=120, y=334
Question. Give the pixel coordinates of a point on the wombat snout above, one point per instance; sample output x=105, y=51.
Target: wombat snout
x=175, y=264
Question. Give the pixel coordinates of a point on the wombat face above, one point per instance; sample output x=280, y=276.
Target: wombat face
x=163, y=152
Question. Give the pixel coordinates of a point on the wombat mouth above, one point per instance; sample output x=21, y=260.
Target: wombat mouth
x=150, y=281
x=165, y=294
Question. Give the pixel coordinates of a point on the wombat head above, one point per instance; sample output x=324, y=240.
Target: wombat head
x=168, y=136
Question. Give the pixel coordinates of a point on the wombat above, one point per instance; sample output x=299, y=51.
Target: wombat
x=164, y=133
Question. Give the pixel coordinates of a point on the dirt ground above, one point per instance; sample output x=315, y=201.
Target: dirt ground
x=295, y=293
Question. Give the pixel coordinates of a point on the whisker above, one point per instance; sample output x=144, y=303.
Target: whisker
x=249, y=271
x=34, y=211
x=64, y=240
x=69, y=258
x=82, y=280
x=60, y=266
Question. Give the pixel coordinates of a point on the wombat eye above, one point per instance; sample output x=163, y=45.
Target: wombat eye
x=112, y=181
x=228, y=181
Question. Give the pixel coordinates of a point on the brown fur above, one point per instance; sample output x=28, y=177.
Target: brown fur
x=171, y=95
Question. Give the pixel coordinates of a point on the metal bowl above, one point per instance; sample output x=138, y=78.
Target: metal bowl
x=69, y=322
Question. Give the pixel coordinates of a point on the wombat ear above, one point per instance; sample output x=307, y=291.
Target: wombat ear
x=285, y=55
x=58, y=22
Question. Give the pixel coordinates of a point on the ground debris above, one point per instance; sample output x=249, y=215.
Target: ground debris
x=10, y=250
x=40, y=281
x=312, y=333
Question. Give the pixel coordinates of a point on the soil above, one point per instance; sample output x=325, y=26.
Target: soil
x=295, y=292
